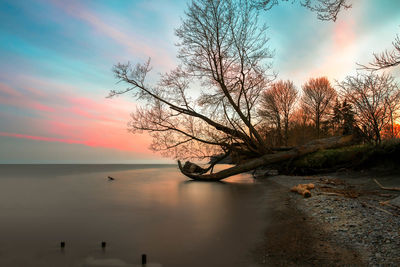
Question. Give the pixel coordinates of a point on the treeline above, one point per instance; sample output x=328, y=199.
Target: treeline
x=366, y=105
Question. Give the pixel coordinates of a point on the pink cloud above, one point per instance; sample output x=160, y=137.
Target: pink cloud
x=40, y=138
x=60, y=116
x=344, y=34
x=35, y=91
x=4, y=88
x=25, y=103
x=339, y=58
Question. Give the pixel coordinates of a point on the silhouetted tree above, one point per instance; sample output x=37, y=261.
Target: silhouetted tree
x=375, y=98
x=317, y=99
x=277, y=104
x=223, y=48
x=342, y=120
x=348, y=120
x=336, y=119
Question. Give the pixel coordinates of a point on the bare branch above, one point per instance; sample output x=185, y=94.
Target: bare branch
x=325, y=9
x=386, y=59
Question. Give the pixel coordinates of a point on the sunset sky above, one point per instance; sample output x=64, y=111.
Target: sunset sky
x=56, y=58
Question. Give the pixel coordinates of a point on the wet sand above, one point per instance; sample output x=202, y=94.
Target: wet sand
x=292, y=238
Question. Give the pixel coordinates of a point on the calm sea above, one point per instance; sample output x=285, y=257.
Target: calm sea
x=147, y=209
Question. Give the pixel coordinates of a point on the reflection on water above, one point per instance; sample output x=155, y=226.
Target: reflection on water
x=156, y=211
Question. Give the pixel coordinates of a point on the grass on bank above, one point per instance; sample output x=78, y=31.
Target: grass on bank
x=364, y=156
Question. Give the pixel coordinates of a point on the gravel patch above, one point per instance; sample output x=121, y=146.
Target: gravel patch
x=362, y=223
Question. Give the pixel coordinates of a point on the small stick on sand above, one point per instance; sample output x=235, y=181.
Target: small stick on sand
x=371, y=206
x=331, y=194
x=386, y=203
x=386, y=188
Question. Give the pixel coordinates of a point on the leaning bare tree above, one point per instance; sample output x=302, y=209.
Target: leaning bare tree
x=317, y=100
x=224, y=50
x=375, y=99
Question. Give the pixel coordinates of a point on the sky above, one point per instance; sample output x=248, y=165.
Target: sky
x=56, y=61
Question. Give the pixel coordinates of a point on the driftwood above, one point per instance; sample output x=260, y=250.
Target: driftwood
x=386, y=188
x=266, y=159
x=303, y=189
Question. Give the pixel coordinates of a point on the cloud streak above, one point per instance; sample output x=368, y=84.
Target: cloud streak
x=134, y=45
x=61, y=116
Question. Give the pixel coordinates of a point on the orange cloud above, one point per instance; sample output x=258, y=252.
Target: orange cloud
x=64, y=117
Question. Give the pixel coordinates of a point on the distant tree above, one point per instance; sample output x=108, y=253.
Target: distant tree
x=336, y=118
x=342, y=120
x=301, y=128
x=318, y=98
x=348, y=120
x=325, y=9
x=375, y=100
x=277, y=104
x=270, y=112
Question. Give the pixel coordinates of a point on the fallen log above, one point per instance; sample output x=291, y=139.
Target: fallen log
x=332, y=142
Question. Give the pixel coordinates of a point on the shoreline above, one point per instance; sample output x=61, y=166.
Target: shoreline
x=333, y=229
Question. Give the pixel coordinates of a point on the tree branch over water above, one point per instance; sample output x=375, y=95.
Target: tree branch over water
x=223, y=49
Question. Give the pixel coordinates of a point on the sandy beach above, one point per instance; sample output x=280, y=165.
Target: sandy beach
x=335, y=230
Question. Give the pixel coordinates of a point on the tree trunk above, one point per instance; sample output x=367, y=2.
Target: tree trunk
x=252, y=164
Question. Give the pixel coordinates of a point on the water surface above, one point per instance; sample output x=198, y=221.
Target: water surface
x=150, y=209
